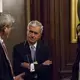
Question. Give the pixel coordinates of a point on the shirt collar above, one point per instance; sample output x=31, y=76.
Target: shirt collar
x=1, y=40
x=34, y=45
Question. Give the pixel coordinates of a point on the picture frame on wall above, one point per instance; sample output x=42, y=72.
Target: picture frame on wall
x=74, y=19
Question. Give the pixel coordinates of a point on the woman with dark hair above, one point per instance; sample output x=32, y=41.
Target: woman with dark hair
x=75, y=68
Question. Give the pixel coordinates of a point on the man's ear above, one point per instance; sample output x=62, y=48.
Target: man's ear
x=4, y=29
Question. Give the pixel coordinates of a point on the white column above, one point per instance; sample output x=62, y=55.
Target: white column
x=1, y=8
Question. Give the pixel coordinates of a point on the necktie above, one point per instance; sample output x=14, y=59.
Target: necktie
x=33, y=52
x=6, y=54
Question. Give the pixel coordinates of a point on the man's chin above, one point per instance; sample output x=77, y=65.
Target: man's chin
x=32, y=42
x=6, y=35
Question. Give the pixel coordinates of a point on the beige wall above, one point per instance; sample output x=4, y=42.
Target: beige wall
x=16, y=9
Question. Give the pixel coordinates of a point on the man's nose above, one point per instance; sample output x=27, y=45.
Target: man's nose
x=33, y=34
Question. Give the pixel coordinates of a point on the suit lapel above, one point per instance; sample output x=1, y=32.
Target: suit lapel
x=6, y=62
x=38, y=50
x=28, y=52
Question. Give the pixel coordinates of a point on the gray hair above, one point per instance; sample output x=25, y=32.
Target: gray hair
x=6, y=20
x=35, y=23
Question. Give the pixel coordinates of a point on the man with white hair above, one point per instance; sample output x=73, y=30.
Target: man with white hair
x=6, y=71
x=32, y=55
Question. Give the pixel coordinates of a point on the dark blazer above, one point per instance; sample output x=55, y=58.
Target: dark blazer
x=5, y=70
x=75, y=68
x=22, y=53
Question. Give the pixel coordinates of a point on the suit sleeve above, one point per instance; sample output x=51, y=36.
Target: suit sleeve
x=1, y=68
x=75, y=67
x=5, y=72
x=17, y=62
x=45, y=70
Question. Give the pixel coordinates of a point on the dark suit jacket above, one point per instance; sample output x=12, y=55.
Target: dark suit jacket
x=75, y=68
x=5, y=70
x=22, y=53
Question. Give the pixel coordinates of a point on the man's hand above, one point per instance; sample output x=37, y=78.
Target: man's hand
x=25, y=65
x=47, y=62
x=19, y=77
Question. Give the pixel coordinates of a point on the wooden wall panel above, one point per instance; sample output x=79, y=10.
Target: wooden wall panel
x=68, y=49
